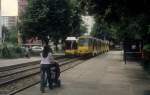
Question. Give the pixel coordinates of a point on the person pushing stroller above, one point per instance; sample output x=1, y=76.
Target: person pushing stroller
x=47, y=63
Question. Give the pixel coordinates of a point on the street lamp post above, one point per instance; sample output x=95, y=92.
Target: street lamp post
x=0, y=25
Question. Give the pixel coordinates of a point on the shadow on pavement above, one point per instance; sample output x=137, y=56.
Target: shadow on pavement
x=147, y=92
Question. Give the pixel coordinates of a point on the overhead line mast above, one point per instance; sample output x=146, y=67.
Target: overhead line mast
x=0, y=25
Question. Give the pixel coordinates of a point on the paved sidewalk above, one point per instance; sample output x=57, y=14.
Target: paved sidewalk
x=103, y=75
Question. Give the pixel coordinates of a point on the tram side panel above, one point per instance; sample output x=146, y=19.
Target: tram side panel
x=92, y=46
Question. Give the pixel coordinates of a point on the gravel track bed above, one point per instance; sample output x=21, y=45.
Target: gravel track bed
x=26, y=76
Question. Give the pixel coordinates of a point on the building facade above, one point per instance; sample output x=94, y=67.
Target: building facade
x=9, y=21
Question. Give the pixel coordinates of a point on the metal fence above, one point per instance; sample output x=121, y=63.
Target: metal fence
x=132, y=50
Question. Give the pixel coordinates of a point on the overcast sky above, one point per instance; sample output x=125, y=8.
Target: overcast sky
x=9, y=7
x=88, y=21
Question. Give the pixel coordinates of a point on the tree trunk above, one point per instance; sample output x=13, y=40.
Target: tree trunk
x=63, y=45
x=56, y=47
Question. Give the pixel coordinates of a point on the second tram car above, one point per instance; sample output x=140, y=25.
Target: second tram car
x=88, y=45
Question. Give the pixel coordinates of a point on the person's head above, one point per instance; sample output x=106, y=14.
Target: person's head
x=45, y=51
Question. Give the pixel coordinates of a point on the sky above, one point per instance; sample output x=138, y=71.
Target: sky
x=9, y=8
x=88, y=22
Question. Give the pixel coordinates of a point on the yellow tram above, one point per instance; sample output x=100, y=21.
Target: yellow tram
x=85, y=45
x=88, y=45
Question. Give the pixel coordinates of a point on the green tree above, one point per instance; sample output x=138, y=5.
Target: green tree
x=54, y=19
x=103, y=30
x=129, y=17
x=113, y=10
x=10, y=35
x=4, y=33
x=77, y=28
x=46, y=18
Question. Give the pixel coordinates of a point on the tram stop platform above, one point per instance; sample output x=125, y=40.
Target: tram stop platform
x=103, y=75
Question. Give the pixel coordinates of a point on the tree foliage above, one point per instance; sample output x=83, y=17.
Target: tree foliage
x=10, y=34
x=77, y=26
x=54, y=19
x=130, y=18
x=4, y=33
x=113, y=10
x=104, y=31
x=46, y=18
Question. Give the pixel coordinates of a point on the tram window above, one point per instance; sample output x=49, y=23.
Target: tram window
x=84, y=42
x=68, y=45
x=71, y=45
x=74, y=46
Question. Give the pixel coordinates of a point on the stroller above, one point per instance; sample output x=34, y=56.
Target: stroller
x=55, y=74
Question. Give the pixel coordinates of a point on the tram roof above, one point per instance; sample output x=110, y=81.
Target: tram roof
x=71, y=38
x=88, y=36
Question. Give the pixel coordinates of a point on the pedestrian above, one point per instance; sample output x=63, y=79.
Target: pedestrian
x=27, y=52
x=46, y=61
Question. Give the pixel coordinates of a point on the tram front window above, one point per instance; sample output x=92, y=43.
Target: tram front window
x=74, y=45
x=83, y=42
x=70, y=45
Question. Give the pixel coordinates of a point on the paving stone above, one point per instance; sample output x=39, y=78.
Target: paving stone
x=103, y=75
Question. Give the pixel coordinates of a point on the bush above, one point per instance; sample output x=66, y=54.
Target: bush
x=146, y=59
x=147, y=47
x=9, y=51
x=5, y=52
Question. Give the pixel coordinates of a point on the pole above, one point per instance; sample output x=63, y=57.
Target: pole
x=0, y=25
x=125, y=58
x=124, y=52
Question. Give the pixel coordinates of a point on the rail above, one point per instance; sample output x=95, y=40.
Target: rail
x=18, y=74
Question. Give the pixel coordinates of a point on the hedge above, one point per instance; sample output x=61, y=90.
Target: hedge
x=11, y=51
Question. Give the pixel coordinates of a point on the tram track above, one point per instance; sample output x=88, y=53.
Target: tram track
x=12, y=67
x=25, y=73
x=33, y=65
x=27, y=76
